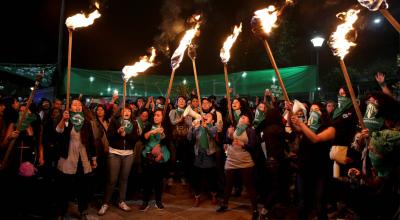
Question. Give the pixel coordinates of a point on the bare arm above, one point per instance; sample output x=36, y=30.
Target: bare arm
x=326, y=135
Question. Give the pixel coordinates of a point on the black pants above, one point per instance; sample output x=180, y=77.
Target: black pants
x=271, y=179
x=247, y=178
x=182, y=163
x=70, y=185
x=312, y=190
x=201, y=175
x=153, y=174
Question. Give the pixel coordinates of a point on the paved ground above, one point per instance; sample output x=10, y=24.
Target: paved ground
x=178, y=206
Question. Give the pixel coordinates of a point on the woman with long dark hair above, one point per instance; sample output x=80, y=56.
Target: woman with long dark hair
x=77, y=158
x=123, y=133
x=314, y=161
x=155, y=155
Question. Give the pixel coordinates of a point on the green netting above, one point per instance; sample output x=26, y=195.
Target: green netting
x=301, y=79
x=30, y=71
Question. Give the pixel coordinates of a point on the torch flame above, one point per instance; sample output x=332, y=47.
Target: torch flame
x=97, y=5
x=374, y=5
x=177, y=57
x=80, y=20
x=338, y=42
x=144, y=63
x=268, y=17
x=224, y=54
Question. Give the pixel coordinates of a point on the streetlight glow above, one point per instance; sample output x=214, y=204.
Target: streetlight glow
x=317, y=41
x=91, y=79
x=377, y=20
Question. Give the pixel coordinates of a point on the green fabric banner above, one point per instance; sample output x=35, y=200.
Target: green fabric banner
x=30, y=71
x=301, y=79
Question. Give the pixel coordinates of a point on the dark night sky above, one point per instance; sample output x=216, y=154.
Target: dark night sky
x=128, y=27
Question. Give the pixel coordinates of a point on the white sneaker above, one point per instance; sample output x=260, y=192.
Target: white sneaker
x=103, y=209
x=124, y=206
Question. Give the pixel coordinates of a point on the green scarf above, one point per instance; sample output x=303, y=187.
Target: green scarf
x=237, y=113
x=141, y=124
x=382, y=146
x=77, y=120
x=240, y=128
x=314, y=122
x=128, y=126
x=370, y=120
x=159, y=106
x=29, y=118
x=179, y=111
x=344, y=103
x=203, y=140
x=258, y=118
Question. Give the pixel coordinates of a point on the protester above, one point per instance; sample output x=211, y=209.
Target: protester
x=77, y=158
x=122, y=134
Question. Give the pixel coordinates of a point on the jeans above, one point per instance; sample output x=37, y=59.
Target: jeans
x=118, y=166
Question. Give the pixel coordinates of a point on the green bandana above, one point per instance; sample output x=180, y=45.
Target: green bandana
x=370, y=121
x=203, y=138
x=128, y=126
x=77, y=120
x=382, y=145
x=240, y=128
x=236, y=113
x=179, y=111
x=259, y=117
x=29, y=118
x=159, y=106
x=344, y=103
x=313, y=121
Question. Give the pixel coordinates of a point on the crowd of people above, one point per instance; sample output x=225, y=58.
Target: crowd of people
x=313, y=155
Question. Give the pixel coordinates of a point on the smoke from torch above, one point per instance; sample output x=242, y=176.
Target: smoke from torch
x=225, y=50
x=338, y=41
x=80, y=20
x=177, y=57
x=142, y=65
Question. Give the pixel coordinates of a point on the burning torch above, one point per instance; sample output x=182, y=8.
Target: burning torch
x=177, y=57
x=225, y=56
x=262, y=23
x=77, y=21
x=142, y=65
x=341, y=46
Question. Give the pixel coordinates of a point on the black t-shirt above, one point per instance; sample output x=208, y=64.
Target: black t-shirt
x=314, y=157
x=346, y=128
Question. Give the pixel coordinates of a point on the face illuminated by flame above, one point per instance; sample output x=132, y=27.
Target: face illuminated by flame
x=80, y=20
x=139, y=67
x=337, y=41
x=225, y=50
x=374, y=5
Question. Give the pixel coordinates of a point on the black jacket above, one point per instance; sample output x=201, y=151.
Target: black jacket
x=116, y=141
x=86, y=139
